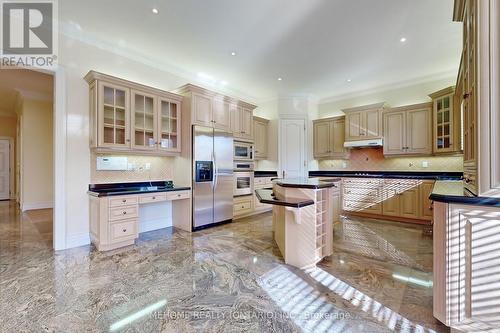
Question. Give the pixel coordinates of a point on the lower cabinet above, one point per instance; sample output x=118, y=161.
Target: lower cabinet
x=249, y=204
x=466, y=261
x=243, y=206
x=395, y=198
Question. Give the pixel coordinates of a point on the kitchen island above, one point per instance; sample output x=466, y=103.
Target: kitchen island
x=304, y=211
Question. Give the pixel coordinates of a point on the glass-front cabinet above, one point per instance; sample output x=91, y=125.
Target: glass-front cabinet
x=113, y=111
x=169, y=125
x=143, y=120
x=446, y=122
x=129, y=117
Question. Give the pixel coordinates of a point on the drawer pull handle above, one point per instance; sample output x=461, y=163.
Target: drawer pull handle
x=154, y=198
x=242, y=206
x=178, y=195
x=124, y=200
x=124, y=230
x=124, y=213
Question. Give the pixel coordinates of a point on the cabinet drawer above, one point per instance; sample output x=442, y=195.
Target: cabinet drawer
x=365, y=192
x=259, y=181
x=361, y=182
x=243, y=206
x=123, y=201
x=362, y=198
x=178, y=195
x=153, y=197
x=123, y=230
x=121, y=213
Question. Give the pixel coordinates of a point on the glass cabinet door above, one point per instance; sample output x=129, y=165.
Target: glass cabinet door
x=143, y=120
x=114, y=115
x=169, y=125
x=444, y=123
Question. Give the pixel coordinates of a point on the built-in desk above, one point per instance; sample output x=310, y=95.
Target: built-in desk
x=114, y=210
x=303, y=214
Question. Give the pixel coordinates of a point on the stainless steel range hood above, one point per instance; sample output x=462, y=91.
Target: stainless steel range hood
x=364, y=143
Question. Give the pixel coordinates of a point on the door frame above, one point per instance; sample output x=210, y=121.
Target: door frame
x=59, y=143
x=305, y=118
x=12, y=194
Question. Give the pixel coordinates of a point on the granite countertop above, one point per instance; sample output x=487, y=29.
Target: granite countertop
x=268, y=197
x=454, y=192
x=390, y=174
x=265, y=174
x=113, y=189
x=311, y=183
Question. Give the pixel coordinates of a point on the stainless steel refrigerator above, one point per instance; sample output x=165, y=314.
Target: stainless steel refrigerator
x=212, y=176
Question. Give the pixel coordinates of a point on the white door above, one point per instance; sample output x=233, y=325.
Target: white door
x=292, y=148
x=4, y=170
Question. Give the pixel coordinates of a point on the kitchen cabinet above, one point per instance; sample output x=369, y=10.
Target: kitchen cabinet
x=242, y=123
x=399, y=199
x=328, y=138
x=446, y=121
x=465, y=294
x=260, y=130
x=364, y=122
x=243, y=206
x=478, y=84
x=260, y=183
x=132, y=118
x=407, y=130
x=221, y=114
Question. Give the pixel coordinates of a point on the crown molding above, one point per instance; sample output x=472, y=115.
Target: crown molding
x=391, y=86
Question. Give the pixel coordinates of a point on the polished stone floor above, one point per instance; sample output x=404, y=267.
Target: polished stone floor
x=229, y=278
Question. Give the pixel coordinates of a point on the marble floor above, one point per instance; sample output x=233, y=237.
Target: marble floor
x=229, y=278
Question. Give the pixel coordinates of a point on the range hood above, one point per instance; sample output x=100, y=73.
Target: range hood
x=364, y=143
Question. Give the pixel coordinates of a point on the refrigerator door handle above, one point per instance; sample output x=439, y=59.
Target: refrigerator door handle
x=215, y=178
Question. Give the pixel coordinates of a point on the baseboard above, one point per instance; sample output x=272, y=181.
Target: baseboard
x=37, y=205
x=77, y=240
x=154, y=224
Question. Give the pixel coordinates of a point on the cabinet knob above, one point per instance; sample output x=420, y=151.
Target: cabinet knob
x=124, y=230
x=178, y=195
x=154, y=198
x=124, y=213
x=128, y=140
x=124, y=200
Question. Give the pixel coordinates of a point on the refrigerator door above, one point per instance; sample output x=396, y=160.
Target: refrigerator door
x=203, y=198
x=223, y=164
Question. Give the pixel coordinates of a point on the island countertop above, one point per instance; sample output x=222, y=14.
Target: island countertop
x=268, y=197
x=455, y=192
x=310, y=183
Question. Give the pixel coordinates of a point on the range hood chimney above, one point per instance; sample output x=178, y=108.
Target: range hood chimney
x=364, y=143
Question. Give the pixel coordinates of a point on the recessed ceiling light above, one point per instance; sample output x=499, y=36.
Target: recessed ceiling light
x=233, y=53
x=155, y=11
x=280, y=79
x=403, y=39
x=224, y=83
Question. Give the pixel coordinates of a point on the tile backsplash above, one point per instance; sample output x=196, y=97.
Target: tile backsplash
x=161, y=168
x=372, y=159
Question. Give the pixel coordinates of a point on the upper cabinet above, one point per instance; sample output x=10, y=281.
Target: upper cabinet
x=130, y=117
x=260, y=130
x=328, y=138
x=407, y=130
x=446, y=122
x=210, y=109
x=478, y=91
x=364, y=122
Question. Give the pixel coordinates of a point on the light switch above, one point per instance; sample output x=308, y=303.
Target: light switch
x=425, y=164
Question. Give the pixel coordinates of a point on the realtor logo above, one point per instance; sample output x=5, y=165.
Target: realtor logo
x=28, y=33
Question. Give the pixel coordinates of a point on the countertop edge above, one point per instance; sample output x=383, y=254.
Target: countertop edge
x=118, y=193
x=277, y=202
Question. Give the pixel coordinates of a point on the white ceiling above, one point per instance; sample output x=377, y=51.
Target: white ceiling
x=314, y=45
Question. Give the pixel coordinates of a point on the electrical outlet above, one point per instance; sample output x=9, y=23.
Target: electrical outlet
x=131, y=167
x=147, y=166
x=344, y=165
x=425, y=164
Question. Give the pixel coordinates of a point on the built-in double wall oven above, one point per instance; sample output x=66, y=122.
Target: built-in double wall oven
x=243, y=178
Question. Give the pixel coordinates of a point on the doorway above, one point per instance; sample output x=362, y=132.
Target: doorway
x=292, y=148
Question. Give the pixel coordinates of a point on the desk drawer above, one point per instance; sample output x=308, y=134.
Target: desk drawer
x=153, y=197
x=123, y=201
x=178, y=195
x=122, y=213
x=123, y=230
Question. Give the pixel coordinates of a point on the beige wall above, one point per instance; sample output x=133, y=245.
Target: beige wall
x=8, y=129
x=37, y=162
x=397, y=96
